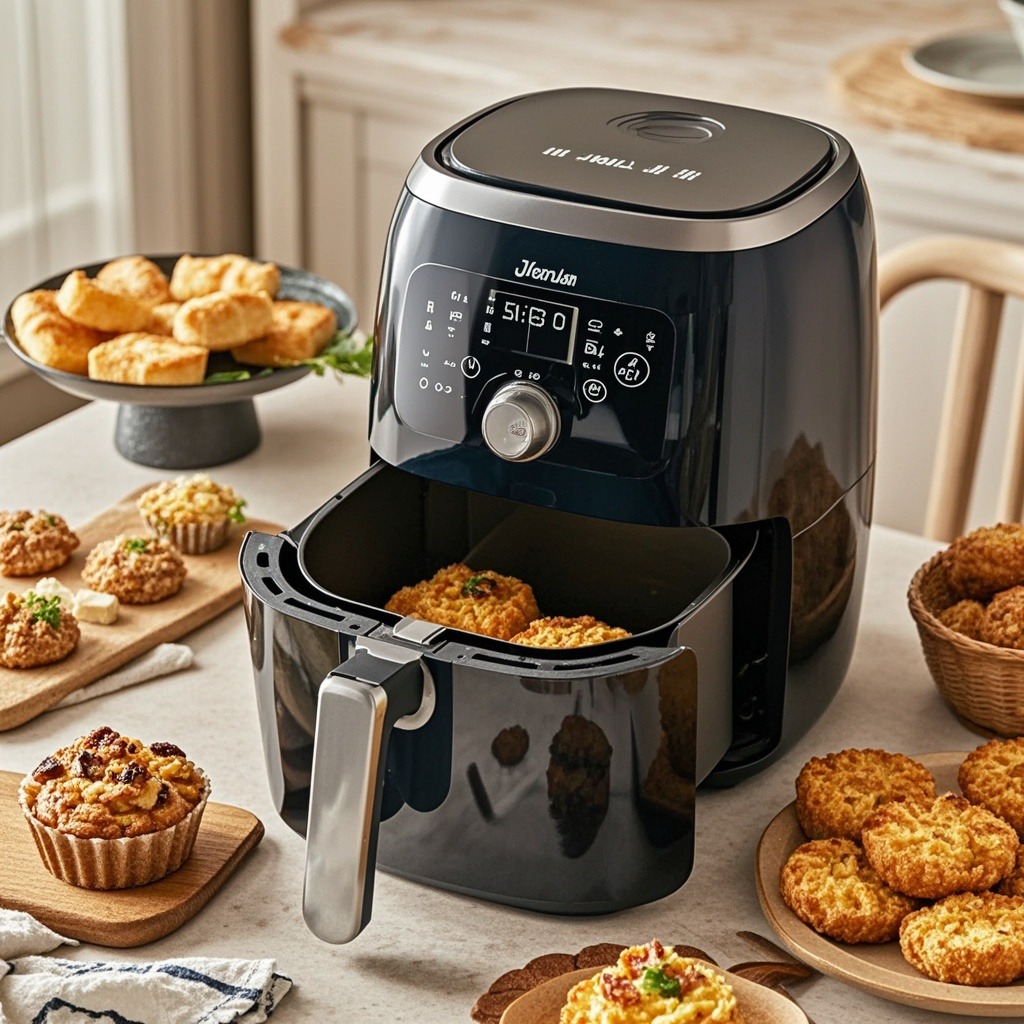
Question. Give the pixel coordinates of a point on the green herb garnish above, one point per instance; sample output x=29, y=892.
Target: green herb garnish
x=16, y=526
x=654, y=979
x=235, y=513
x=344, y=354
x=50, y=521
x=479, y=586
x=228, y=376
x=44, y=609
x=136, y=544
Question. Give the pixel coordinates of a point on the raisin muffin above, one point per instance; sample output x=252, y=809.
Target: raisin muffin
x=652, y=982
x=35, y=629
x=33, y=543
x=136, y=570
x=109, y=812
x=194, y=511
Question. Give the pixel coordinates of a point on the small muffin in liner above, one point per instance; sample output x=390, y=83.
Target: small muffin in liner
x=108, y=811
x=116, y=863
x=194, y=512
x=193, y=538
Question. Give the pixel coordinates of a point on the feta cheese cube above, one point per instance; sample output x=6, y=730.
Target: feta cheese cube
x=92, y=606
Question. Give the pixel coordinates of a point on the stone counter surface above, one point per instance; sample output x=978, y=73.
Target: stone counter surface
x=427, y=954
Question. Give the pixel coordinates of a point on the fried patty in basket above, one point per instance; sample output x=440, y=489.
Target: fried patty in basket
x=479, y=602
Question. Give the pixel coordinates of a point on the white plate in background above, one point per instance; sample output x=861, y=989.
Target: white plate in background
x=979, y=63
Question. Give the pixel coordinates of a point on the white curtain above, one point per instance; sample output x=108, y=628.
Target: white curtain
x=65, y=194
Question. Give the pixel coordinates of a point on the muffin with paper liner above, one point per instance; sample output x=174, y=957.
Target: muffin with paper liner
x=195, y=512
x=110, y=812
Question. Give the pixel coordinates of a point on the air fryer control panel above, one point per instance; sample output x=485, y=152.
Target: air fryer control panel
x=607, y=365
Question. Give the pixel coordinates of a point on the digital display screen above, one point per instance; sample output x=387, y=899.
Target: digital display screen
x=536, y=327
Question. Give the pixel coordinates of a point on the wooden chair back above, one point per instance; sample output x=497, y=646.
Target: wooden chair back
x=990, y=270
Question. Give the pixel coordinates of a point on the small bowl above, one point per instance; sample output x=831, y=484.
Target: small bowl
x=982, y=683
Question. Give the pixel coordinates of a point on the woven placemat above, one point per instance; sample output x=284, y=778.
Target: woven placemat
x=874, y=83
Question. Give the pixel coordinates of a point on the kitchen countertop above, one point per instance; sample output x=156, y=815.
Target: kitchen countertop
x=428, y=954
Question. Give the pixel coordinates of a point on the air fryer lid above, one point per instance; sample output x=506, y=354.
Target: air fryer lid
x=662, y=154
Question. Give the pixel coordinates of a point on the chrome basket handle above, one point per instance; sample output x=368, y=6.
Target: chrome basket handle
x=358, y=705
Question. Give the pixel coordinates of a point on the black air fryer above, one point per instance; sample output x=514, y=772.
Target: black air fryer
x=625, y=352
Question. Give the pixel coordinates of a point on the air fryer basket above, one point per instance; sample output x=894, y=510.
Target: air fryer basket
x=642, y=578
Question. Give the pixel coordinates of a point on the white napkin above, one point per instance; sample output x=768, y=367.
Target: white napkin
x=188, y=990
x=160, y=661
x=22, y=935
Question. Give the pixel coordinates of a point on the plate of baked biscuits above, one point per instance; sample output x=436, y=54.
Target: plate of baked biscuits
x=165, y=336
x=904, y=876
x=176, y=330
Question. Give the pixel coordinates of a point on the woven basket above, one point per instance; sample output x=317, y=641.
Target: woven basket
x=982, y=683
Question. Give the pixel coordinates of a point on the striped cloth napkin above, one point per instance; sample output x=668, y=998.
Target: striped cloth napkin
x=38, y=989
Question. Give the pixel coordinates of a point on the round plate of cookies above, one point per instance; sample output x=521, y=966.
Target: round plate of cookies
x=178, y=329
x=904, y=876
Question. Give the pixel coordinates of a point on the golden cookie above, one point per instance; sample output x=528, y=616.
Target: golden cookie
x=993, y=777
x=934, y=850
x=1003, y=621
x=1013, y=883
x=829, y=884
x=986, y=561
x=964, y=617
x=967, y=939
x=836, y=793
x=95, y=304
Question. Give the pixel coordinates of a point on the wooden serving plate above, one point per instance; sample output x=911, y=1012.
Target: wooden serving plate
x=879, y=969
x=212, y=586
x=119, y=917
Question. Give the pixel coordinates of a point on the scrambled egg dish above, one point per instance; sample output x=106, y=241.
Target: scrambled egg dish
x=651, y=984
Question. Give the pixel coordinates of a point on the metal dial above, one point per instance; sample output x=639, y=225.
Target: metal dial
x=521, y=422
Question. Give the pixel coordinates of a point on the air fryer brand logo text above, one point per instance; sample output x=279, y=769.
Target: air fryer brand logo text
x=529, y=268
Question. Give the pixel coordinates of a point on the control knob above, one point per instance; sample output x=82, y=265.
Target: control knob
x=521, y=422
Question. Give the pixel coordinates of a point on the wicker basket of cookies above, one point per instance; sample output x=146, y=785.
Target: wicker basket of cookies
x=968, y=604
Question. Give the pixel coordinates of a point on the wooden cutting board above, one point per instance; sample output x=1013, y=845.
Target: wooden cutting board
x=121, y=917
x=212, y=586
